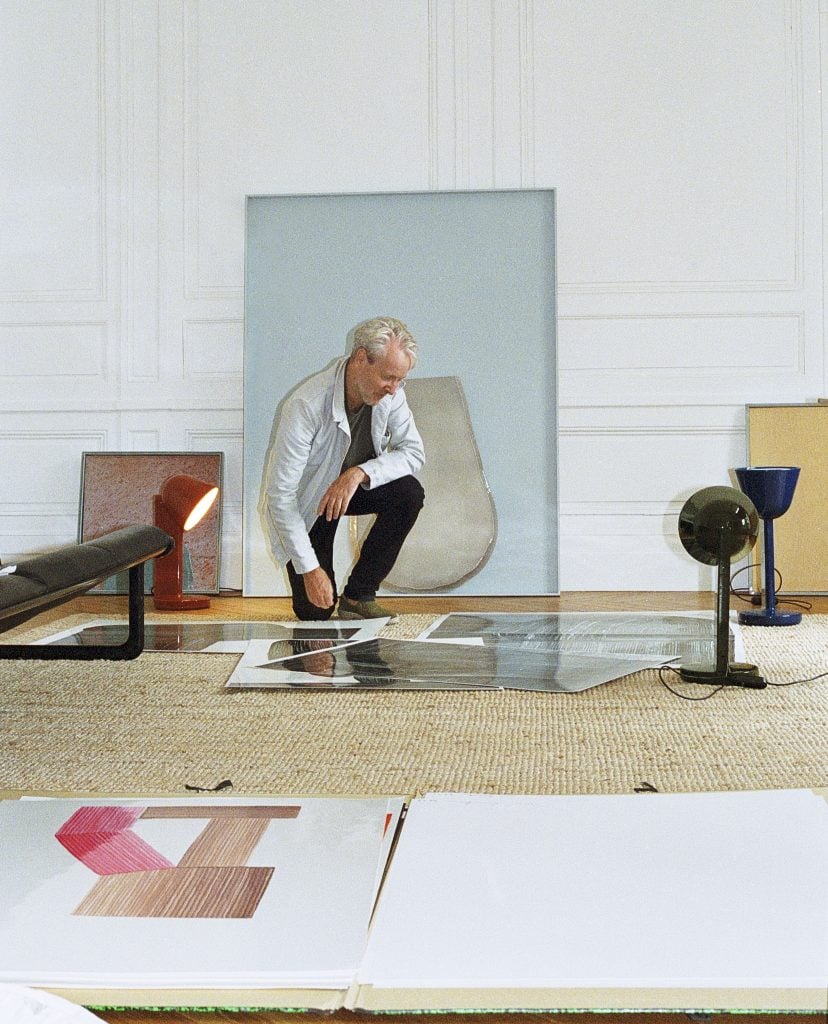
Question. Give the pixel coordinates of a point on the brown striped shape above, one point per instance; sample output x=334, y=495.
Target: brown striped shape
x=211, y=879
x=223, y=811
x=203, y=892
x=225, y=843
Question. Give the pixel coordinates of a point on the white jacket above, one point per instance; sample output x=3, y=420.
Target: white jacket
x=310, y=439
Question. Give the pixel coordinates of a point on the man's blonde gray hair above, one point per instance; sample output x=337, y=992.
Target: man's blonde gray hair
x=373, y=335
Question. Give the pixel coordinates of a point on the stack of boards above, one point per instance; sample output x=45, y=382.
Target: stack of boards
x=705, y=901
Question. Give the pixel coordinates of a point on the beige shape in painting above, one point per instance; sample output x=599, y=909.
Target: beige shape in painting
x=457, y=528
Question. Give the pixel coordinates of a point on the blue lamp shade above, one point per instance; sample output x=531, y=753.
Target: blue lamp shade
x=770, y=488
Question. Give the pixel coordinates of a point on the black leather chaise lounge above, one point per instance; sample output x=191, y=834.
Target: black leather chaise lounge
x=39, y=582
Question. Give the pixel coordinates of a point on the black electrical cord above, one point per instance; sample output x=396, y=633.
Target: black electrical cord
x=796, y=682
x=669, y=668
x=745, y=594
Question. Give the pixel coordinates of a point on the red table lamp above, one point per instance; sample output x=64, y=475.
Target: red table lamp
x=181, y=504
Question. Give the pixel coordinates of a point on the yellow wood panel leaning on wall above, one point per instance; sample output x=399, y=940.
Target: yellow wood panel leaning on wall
x=796, y=435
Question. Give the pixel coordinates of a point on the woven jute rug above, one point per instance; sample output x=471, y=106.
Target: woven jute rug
x=165, y=722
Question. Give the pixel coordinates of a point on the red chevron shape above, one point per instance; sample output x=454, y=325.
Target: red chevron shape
x=102, y=839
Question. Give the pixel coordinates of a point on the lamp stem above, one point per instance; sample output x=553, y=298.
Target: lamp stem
x=770, y=574
x=725, y=673
x=723, y=609
x=169, y=571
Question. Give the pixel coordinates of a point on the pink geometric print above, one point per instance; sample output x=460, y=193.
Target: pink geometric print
x=102, y=839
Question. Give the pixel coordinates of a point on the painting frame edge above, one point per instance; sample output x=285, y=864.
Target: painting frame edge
x=212, y=586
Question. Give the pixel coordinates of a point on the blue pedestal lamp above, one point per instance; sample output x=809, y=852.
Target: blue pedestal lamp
x=771, y=489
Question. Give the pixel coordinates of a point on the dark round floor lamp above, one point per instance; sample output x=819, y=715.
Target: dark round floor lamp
x=771, y=489
x=717, y=526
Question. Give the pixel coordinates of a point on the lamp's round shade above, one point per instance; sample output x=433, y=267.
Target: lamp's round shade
x=188, y=499
x=770, y=488
x=717, y=521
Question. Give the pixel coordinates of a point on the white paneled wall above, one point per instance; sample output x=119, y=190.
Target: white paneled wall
x=685, y=139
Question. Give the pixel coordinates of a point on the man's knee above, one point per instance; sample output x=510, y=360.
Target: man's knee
x=409, y=492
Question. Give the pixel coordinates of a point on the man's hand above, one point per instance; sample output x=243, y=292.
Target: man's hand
x=319, y=588
x=335, y=500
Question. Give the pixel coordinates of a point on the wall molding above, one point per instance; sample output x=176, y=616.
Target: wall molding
x=55, y=435
x=794, y=195
x=193, y=289
x=190, y=328
x=433, y=98
x=650, y=431
x=648, y=509
x=140, y=228
x=526, y=17
x=99, y=292
x=27, y=509
x=143, y=440
x=95, y=333
x=462, y=128
x=796, y=352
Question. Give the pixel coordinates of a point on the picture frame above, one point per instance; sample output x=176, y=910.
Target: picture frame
x=117, y=490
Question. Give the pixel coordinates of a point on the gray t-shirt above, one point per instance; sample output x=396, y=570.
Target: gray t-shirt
x=362, y=447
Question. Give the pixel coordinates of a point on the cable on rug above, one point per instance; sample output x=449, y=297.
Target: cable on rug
x=668, y=668
x=796, y=682
x=749, y=597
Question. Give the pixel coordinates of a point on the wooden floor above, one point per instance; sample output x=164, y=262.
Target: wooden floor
x=346, y=1017
x=235, y=607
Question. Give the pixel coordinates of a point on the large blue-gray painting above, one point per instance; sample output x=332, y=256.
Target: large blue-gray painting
x=472, y=274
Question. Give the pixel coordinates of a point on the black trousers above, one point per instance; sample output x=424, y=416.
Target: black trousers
x=396, y=506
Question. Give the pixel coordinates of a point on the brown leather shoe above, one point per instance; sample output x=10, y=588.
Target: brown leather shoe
x=349, y=609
